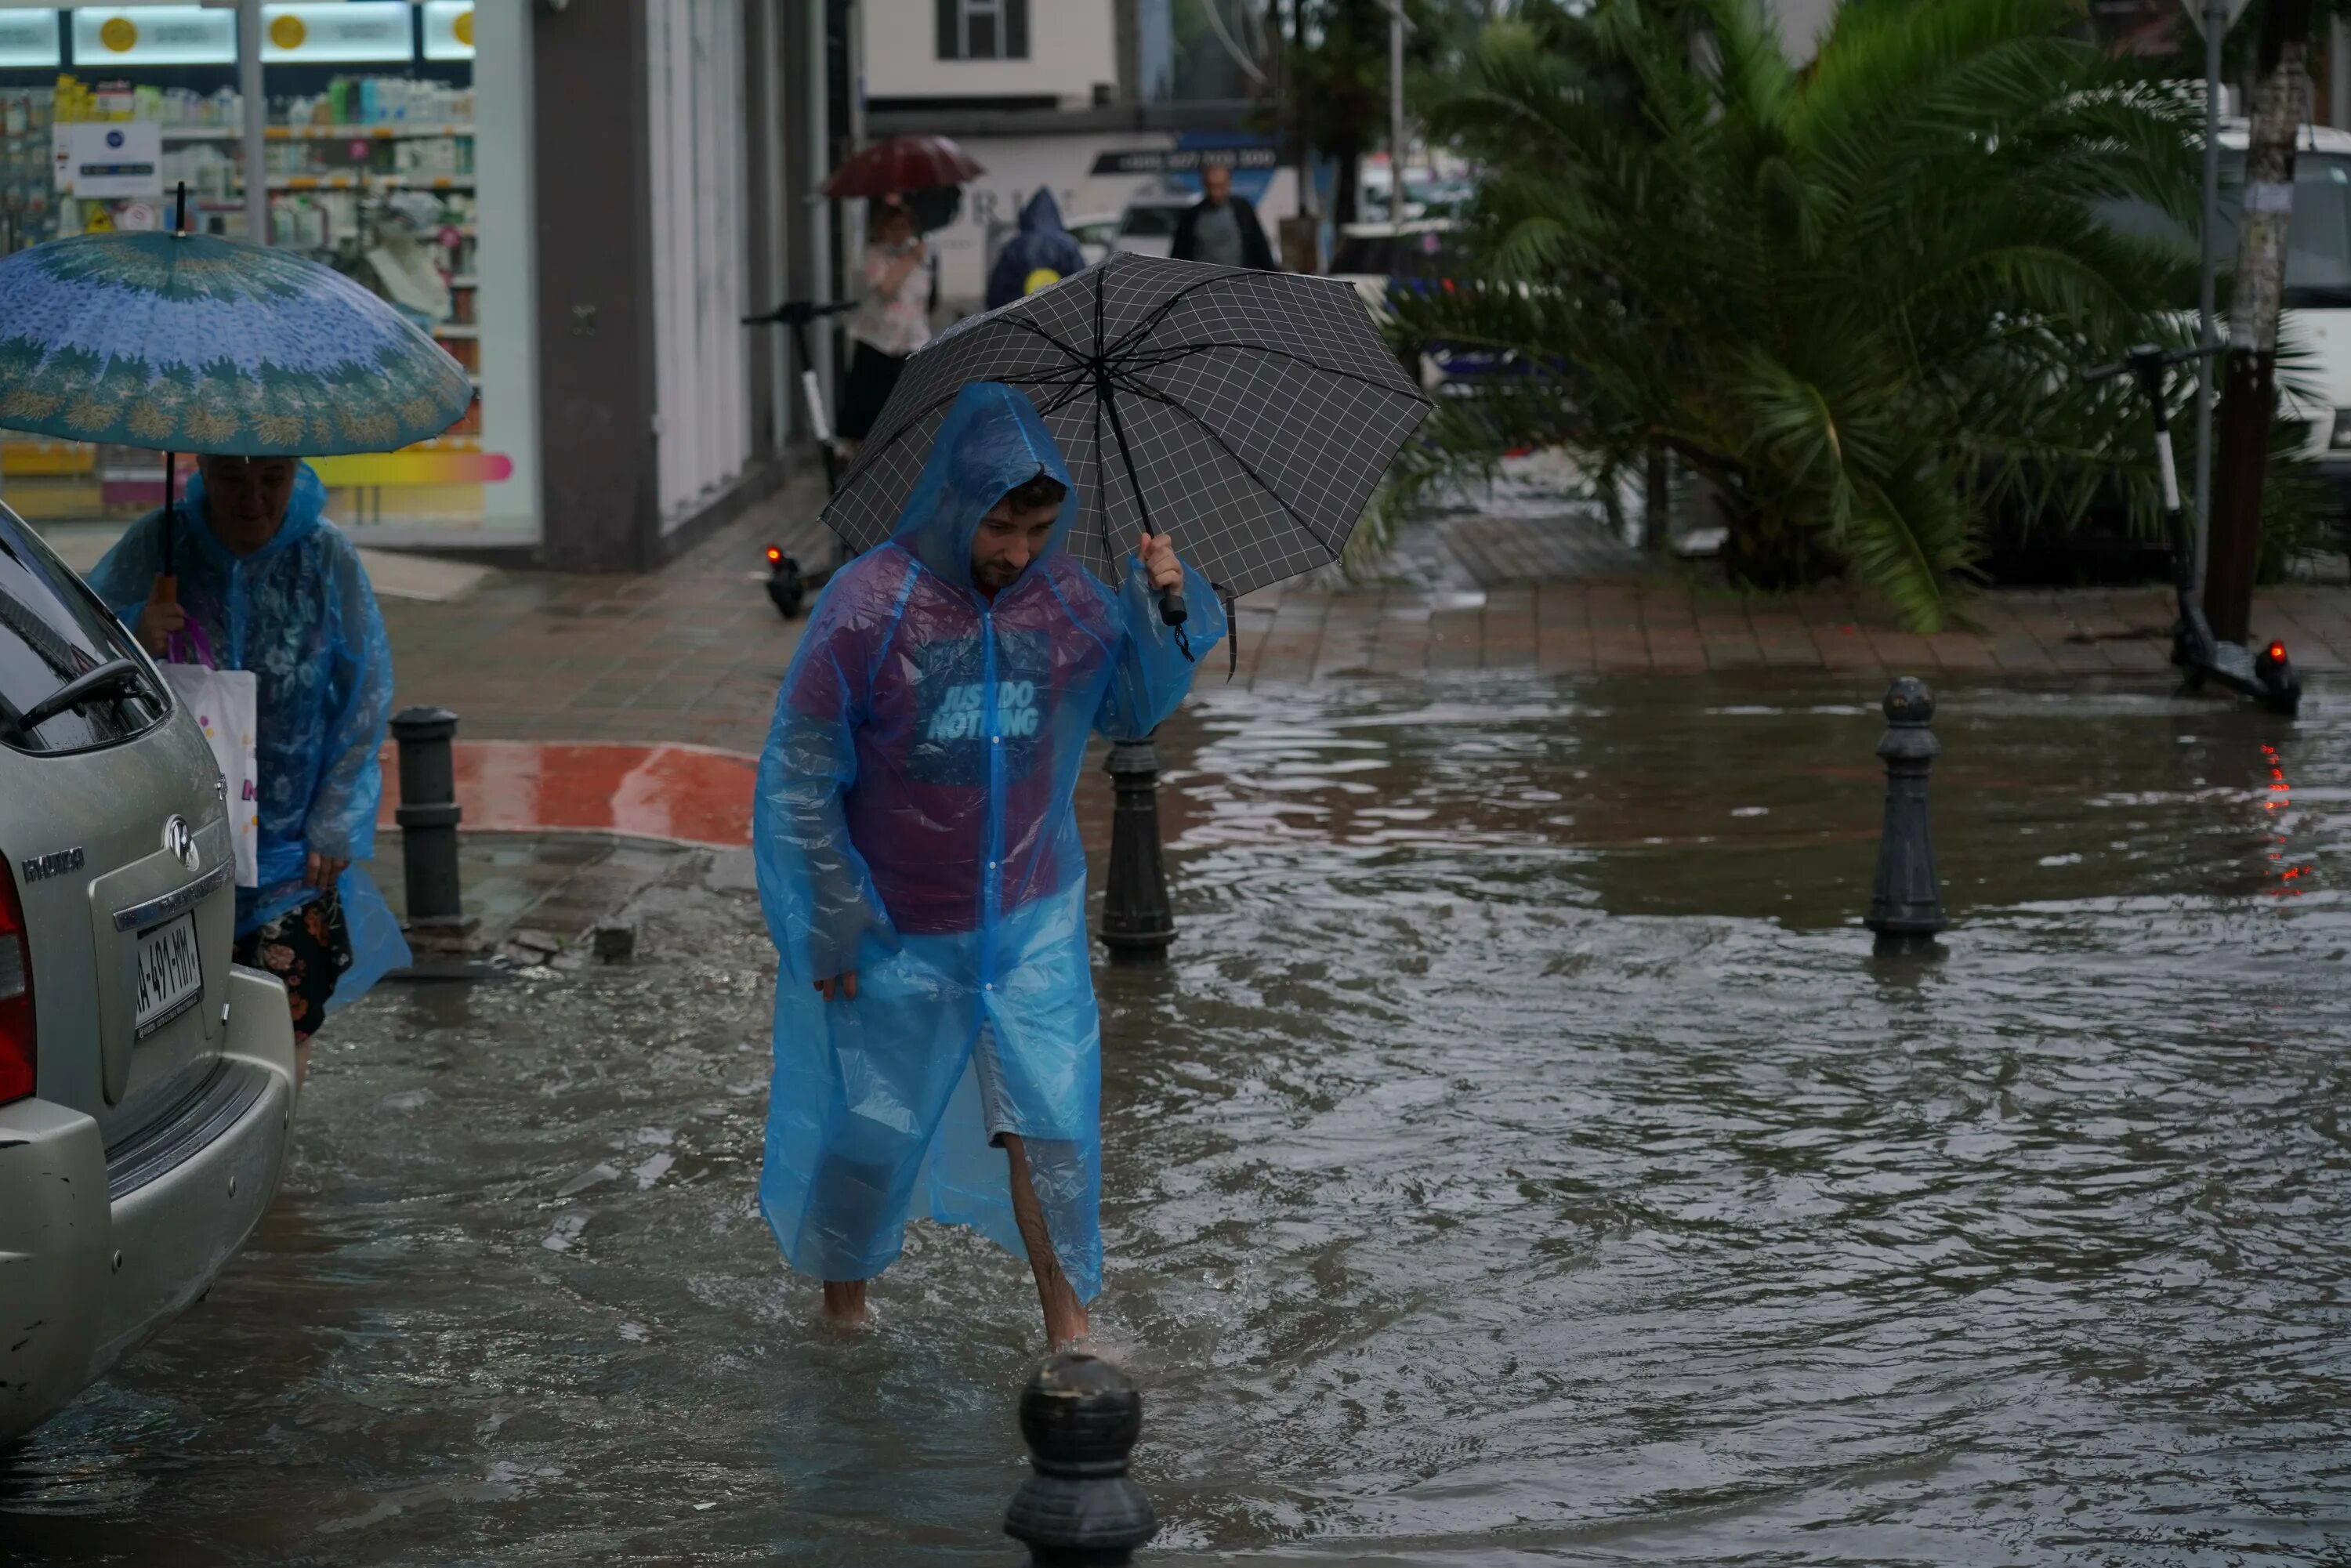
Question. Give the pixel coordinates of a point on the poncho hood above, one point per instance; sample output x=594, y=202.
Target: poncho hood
x=1042, y=216
x=991, y=440
x=302, y=516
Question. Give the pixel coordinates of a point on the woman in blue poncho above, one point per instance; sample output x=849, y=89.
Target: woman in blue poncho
x=265, y=583
x=935, y=1036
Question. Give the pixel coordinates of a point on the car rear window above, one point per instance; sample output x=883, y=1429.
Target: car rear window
x=53, y=630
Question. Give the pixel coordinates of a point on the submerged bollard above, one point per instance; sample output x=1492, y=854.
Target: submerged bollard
x=1905, y=904
x=1138, y=919
x=1081, y=1416
x=428, y=819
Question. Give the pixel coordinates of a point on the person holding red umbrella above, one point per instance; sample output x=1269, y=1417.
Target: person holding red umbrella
x=895, y=319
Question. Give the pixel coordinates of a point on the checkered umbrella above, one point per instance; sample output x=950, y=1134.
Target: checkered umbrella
x=1249, y=414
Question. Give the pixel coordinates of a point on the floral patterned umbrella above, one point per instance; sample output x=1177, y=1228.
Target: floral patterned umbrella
x=190, y=344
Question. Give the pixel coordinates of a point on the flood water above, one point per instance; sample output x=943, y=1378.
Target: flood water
x=1523, y=1162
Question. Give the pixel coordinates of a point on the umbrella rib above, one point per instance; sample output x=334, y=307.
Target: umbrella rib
x=1155, y=395
x=1099, y=371
x=1031, y=325
x=1158, y=317
x=1172, y=355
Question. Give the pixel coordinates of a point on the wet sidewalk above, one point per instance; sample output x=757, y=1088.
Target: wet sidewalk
x=1664, y=626
x=1528, y=580
x=693, y=654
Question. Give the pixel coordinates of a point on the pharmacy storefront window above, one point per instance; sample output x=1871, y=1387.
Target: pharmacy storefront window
x=392, y=153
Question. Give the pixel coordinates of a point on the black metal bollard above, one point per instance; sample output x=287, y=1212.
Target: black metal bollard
x=1138, y=919
x=428, y=819
x=1081, y=1416
x=1905, y=904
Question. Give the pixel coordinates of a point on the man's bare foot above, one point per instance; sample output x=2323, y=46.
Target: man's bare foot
x=1071, y=1331
x=844, y=1303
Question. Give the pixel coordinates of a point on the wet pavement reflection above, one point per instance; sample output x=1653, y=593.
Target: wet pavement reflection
x=1523, y=1162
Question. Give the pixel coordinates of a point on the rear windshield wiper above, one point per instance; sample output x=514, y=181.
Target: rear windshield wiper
x=111, y=678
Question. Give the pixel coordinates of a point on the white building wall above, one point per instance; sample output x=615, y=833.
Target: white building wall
x=1072, y=44
x=702, y=368
x=1803, y=23
x=507, y=260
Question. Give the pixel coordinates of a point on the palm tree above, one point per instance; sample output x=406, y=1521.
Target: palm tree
x=1854, y=295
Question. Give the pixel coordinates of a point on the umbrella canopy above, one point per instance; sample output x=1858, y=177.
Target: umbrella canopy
x=1250, y=414
x=902, y=164
x=190, y=343
x=933, y=207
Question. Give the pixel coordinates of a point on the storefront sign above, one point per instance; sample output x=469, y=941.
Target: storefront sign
x=113, y=159
x=28, y=40
x=107, y=35
x=448, y=29
x=355, y=30
x=1185, y=160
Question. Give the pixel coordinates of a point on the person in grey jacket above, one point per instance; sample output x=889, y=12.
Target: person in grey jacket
x=1221, y=228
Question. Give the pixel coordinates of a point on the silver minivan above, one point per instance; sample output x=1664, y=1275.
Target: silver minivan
x=146, y=1085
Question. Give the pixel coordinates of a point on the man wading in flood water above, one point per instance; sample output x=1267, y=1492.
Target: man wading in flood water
x=920, y=871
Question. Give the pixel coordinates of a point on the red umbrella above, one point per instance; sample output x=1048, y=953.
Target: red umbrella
x=903, y=163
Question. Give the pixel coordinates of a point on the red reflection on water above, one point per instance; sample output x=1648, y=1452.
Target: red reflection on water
x=688, y=794
x=2280, y=794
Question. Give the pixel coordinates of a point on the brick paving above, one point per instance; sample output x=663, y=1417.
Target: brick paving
x=694, y=654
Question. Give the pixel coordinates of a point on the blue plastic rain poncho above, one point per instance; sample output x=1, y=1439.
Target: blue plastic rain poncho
x=913, y=823
x=299, y=614
x=1041, y=246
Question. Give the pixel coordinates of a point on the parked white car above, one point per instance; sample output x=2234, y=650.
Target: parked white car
x=1147, y=227
x=1095, y=233
x=146, y=1085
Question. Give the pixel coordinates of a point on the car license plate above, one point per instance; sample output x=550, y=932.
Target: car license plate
x=170, y=973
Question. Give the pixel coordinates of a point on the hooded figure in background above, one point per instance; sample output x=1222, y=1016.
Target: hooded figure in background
x=1043, y=253
x=936, y=1039
x=266, y=584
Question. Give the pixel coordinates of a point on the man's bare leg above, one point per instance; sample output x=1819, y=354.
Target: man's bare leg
x=845, y=1302
x=1065, y=1317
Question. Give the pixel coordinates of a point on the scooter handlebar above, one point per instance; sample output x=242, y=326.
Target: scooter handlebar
x=800, y=312
x=2148, y=357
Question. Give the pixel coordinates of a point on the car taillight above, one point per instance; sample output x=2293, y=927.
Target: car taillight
x=17, y=1057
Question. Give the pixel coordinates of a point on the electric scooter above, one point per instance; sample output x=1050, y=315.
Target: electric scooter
x=786, y=583
x=2267, y=676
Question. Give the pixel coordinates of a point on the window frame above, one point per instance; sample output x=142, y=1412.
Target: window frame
x=953, y=29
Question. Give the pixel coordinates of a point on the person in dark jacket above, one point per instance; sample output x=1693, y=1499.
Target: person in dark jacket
x=1043, y=253
x=1221, y=228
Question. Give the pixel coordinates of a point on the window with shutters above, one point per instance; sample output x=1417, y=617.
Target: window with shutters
x=983, y=29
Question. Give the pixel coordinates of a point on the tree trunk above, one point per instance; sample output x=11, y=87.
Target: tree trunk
x=1351, y=169
x=2249, y=401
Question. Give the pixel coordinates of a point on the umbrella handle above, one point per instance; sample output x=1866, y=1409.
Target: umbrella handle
x=1171, y=606
x=167, y=589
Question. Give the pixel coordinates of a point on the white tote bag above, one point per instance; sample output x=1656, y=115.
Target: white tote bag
x=222, y=701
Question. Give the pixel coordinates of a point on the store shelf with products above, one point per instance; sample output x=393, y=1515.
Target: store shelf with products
x=368, y=183
x=317, y=132
x=372, y=173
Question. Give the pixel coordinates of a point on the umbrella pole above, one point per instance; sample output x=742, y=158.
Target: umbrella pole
x=167, y=587
x=1171, y=600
